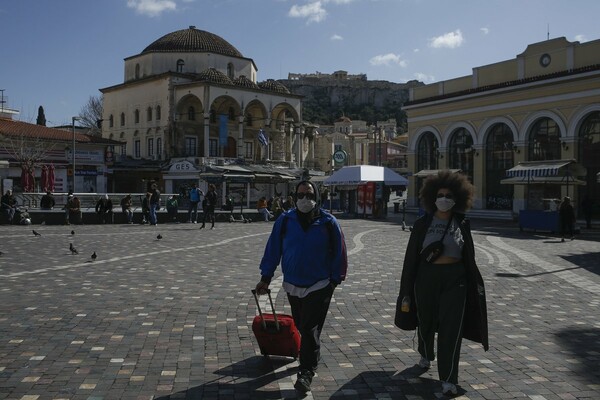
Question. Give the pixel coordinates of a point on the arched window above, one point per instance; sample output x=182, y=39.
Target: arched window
x=499, y=157
x=111, y=121
x=427, y=150
x=544, y=141
x=149, y=114
x=461, y=152
x=231, y=113
x=248, y=119
x=137, y=71
x=150, y=147
x=230, y=70
x=180, y=65
x=122, y=119
x=136, y=116
x=158, y=113
x=159, y=148
x=191, y=113
x=589, y=151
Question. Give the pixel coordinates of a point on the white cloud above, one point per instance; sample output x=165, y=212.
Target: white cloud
x=449, y=40
x=580, y=38
x=485, y=30
x=387, y=59
x=424, y=77
x=416, y=50
x=313, y=12
x=336, y=37
x=151, y=8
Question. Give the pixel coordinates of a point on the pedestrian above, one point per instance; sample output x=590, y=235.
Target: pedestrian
x=47, y=201
x=309, y=244
x=154, y=203
x=195, y=194
x=208, y=206
x=146, y=209
x=566, y=214
x=262, y=207
x=587, y=205
x=277, y=207
x=289, y=203
x=104, y=208
x=9, y=206
x=73, y=210
x=441, y=288
x=126, y=207
x=173, y=208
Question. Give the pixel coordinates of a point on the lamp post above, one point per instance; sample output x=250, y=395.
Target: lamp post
x=73, y=150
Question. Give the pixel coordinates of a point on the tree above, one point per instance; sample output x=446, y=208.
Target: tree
x=91, y=115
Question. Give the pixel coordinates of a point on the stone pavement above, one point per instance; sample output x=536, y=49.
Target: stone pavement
x=170, y=318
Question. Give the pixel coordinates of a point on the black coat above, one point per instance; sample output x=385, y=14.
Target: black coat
x=475, y=319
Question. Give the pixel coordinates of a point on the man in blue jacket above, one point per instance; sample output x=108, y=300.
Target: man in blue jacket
x=309, y=244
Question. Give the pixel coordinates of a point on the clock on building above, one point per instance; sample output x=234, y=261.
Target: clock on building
x=545, y=60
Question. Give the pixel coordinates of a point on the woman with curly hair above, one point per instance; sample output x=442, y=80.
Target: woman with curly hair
x=441, y=288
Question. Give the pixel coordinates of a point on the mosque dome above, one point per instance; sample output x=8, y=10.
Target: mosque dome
x=273, y=86
x=213, y=75
x=244, y=82
x=192, y=40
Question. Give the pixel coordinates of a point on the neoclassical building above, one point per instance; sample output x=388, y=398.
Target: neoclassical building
x=543, y=105
x=191, y=95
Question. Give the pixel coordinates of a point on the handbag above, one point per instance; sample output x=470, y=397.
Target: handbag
x=432, y=251
x=405, y=320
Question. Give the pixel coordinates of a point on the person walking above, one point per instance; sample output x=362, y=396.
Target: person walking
x=441, y=288
x=173, y=208
x=154, y=203
x=195, y=194
x=309, y=244
x=566, y=214
x=126, y=207
x=209, y=208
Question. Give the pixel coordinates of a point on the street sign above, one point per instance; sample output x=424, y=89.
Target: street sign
x=340, y=157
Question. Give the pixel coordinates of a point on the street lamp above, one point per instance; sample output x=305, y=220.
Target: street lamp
x=73, y=150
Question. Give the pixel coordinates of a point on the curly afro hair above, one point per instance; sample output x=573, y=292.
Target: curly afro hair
x=457, y=183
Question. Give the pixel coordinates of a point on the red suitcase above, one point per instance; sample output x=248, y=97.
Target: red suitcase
x=276, y=334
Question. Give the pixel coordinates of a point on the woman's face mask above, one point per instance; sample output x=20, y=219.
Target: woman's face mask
x=306, y=202
x=444, y=201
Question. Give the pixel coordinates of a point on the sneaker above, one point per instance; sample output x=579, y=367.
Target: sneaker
x=449, y=389
x=424, y=363
x=304, y=380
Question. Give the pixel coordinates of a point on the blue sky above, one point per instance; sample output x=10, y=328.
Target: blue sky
x=58, y=53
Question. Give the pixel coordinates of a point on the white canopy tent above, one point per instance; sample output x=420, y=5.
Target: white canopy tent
x=361, y=174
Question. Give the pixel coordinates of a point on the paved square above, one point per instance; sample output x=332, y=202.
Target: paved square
x=170, y=318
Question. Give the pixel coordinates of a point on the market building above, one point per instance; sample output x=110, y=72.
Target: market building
x=540, y=109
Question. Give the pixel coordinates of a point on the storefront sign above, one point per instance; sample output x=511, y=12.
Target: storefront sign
x=182, y=166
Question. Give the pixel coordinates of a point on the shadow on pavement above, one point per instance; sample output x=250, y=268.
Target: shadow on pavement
x=405, y=384
x=243, y=379
x=584, y=344
x=587, y=261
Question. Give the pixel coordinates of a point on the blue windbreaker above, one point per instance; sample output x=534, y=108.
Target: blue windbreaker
x=306, y=256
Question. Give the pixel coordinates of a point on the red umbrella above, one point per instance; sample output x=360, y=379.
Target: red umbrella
x=31, y=179
x=50, y=178
x=24, y=178
x=44, y=178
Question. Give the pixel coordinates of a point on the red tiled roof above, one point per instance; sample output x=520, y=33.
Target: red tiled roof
x=10, y=127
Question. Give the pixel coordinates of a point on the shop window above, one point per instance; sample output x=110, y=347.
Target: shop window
x=191, y=146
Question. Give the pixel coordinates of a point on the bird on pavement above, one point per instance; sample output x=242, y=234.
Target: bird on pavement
x=73, y=249
x=36, y=233
x=72, y=232
x=1, y=253
x=159, y=236
x=94, y=256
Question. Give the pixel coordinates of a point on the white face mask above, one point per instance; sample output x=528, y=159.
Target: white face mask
x=305, y=205
x=443, y=204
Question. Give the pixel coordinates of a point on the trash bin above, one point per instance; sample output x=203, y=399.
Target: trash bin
x=396, y=207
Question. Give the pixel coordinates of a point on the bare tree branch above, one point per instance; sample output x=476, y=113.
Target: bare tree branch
x=27, y=151
x=91, y=113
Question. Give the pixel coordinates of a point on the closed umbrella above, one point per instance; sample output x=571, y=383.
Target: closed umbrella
x=50, y=178
x=44, y=178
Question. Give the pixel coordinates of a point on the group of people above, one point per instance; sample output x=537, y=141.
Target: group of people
x=274, y=207
x=441, y=288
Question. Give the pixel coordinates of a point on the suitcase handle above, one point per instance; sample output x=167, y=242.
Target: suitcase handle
x=264, y=324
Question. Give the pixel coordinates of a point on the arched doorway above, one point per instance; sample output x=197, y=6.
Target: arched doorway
x=499, y=157
x=589, y=157
x=231, y=149
x=427, y=156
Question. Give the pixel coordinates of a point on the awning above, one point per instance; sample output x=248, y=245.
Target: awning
x=546, y=168
x=542, y=180
x=359, y=174
x=424, y=173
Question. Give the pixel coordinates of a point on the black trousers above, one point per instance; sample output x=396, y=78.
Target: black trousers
x=440, y=294
x=309, y=316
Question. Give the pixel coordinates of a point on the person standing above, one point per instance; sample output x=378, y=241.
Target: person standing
x=566, y=214
x=104, y=208
x=126, y=204
x=173, y=208
x=194, y=196
x=9, y=205
x=154, y=204
x=441, y=286
x=309, y=244
x=209, y=208
x=146, y=209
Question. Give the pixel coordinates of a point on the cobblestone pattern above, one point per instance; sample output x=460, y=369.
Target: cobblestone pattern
x=170, y=318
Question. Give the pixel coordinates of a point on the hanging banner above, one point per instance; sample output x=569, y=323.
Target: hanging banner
x=223, y=119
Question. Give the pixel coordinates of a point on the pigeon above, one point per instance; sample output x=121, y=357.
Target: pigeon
x=72, y=232
x=94, y=256
x=36, y=233
x=1, y=253
x=73, y=249
x=159, y=236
